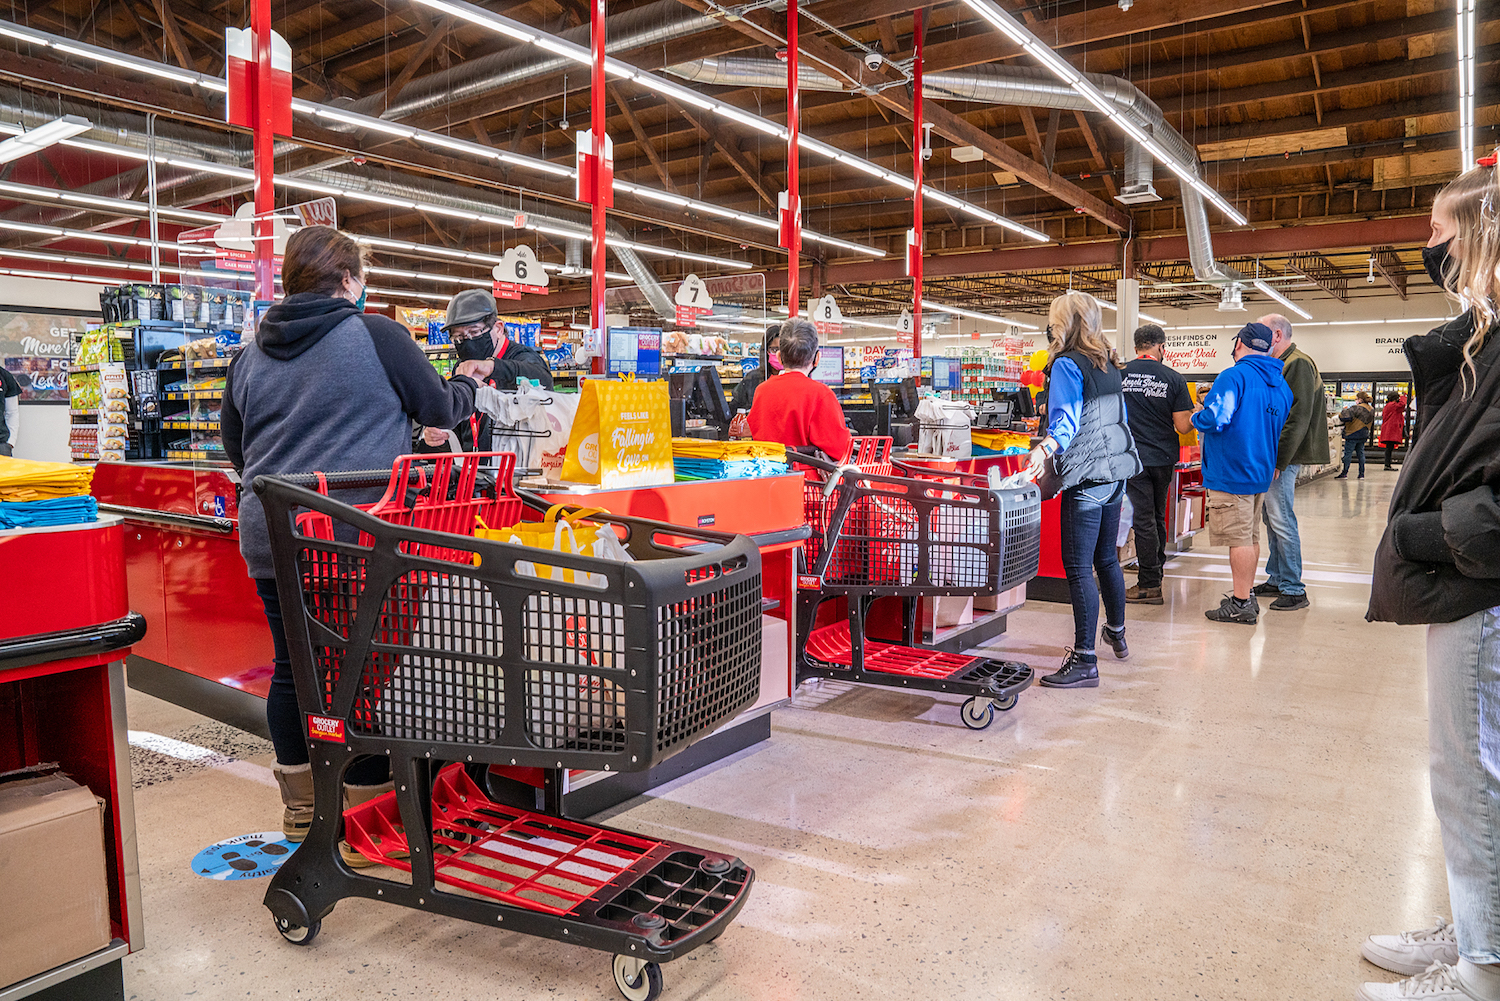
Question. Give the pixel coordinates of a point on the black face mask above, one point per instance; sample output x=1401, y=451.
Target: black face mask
x=476, y=348
x=1435, y=260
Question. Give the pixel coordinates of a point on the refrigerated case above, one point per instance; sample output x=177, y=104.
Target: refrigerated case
x=1342, y=387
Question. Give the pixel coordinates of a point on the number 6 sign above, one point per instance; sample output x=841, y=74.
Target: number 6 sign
x=519, y=271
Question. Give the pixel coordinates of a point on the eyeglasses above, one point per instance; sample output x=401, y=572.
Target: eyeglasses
x=468, y=331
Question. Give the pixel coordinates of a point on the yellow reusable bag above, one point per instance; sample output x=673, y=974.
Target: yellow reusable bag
x=560, y=531
x=622, y=435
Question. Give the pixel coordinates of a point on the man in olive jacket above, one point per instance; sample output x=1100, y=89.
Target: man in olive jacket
x=1304, y=441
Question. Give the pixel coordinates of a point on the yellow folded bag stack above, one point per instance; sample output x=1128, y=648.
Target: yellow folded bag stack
x=28, y=480
x=699, y=459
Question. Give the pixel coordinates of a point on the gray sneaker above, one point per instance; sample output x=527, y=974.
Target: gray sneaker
x=1412, y=952
x=1232, y=609
x=1439, y=982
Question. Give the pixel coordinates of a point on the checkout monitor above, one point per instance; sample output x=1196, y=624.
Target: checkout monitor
x=830, y=367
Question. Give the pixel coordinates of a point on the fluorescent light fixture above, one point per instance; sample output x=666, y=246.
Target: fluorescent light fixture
x=1289, y=304
x=1465, y=53
x=1114, y=309
x=956, y=311
x=1060, y=68
x=43, y=136
x=21, y=32
x=662, y=87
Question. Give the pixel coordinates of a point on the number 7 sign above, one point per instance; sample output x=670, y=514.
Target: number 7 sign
x=692, y=301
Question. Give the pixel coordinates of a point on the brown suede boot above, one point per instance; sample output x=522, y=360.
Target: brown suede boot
x=354, y=796
x=296, y=784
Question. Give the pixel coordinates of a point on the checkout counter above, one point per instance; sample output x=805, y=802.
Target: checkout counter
x=207, y=646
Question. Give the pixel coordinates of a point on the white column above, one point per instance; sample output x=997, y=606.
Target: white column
x=1127, y=315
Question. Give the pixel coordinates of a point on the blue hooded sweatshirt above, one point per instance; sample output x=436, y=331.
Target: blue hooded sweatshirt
x=1241, y=423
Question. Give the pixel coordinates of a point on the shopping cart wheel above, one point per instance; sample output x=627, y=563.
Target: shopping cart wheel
x=297, y=934
x=978, y=713
x=1006, y=703
x=637, y=979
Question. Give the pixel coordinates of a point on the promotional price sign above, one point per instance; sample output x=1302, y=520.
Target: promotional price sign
x=519, y=272
x=692, y=301
x=827, y=316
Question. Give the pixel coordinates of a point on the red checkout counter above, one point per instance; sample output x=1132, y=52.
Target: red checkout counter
x=207, y=646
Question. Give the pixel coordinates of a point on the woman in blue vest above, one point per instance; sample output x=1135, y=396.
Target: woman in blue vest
x=1088, y=439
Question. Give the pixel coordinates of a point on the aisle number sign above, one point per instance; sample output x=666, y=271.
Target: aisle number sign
x=519, y=272
x=692, y=301
x=827, y=316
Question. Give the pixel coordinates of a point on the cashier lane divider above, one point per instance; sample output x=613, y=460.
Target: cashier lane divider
x=249, y=856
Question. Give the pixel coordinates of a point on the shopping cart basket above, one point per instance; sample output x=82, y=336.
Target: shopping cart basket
x=404, y=644
x=911, y=536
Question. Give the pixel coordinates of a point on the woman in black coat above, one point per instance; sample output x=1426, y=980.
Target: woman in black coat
x=1439, y=565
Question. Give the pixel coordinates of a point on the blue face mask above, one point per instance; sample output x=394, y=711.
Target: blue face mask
x=364, y=293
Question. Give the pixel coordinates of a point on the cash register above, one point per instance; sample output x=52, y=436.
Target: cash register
x=698, y=405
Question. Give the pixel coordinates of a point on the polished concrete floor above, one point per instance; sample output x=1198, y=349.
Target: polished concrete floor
x=1227, y=816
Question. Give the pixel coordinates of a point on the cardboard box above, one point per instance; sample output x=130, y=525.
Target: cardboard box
x=1007, y=601
x=52, y=876
x=946, y=612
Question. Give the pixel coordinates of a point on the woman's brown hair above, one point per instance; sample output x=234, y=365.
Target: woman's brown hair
x=319, y=258
x=1076, y=325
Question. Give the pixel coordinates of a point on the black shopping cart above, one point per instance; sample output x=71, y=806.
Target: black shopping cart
x=883, y=530
x=449, y=654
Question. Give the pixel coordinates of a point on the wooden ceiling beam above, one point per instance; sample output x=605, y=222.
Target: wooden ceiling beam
x=424, y=52
x=641, y=138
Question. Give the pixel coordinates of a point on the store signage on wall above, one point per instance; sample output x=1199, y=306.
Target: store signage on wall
x=827, y=316
x=518, y=273
x=35, y=348
x=692, y=300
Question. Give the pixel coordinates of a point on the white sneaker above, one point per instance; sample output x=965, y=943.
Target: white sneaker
x=1412, y=952
x=1438, y=983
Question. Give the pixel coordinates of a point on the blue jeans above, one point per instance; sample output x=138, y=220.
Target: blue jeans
x=1283, y=544
x=1463, y=722
x=1354, y=450
x=1090, y=531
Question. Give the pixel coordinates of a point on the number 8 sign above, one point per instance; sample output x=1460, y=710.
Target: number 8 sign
x=827, y=316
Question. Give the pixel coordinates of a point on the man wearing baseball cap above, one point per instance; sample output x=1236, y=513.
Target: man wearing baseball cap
x=474, y=327
x=1241, y=421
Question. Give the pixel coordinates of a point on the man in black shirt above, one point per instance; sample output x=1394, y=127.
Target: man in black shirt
x=10, y=416
x=1160, y=409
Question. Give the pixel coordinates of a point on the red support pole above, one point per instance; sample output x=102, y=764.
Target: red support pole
x=793, y=153
x=264, y=139
x=596, y=125
x=918, y=25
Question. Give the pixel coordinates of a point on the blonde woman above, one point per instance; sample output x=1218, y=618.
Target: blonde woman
x=1439, y=565
x=1088, y=437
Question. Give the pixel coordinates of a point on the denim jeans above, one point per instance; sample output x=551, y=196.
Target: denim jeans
x=283, y=715
x=1090, y=531
x=1463, y=721
x=1148, y=491
x=1354, y=451
x=1283, y=544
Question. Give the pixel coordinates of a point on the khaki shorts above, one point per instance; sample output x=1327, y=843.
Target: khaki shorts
x=1234, y=519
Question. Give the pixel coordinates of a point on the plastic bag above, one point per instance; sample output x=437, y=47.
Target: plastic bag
x=945, y=428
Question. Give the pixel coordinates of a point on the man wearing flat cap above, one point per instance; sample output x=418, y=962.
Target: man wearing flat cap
x=1241, y=421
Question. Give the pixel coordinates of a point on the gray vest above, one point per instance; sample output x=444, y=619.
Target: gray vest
x=330, y=409
x=1103, y=450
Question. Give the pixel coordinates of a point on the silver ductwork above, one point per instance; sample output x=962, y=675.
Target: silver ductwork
x=652, y=24
x=1027, y=88
x=1137, y=189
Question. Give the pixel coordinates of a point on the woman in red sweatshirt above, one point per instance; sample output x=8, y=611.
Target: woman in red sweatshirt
x=794, y=410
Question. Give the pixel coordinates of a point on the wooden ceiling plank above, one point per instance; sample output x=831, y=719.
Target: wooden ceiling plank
x=1096, y=149
x=424, y=52
x=641, y=138
x=736, y=159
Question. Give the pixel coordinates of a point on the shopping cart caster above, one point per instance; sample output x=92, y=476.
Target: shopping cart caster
x=298, y=934
x=979, y=712
x=637, y=979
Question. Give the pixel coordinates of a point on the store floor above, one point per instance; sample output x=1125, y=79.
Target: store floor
x=1227, y=816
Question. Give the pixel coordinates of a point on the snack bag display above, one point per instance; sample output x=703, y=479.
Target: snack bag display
x=621, y=436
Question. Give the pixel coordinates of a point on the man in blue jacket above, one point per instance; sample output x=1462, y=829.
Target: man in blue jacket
x=1241, y=421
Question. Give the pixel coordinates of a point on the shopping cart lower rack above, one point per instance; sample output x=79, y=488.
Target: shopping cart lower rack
x=449, y=654
x=877, y=535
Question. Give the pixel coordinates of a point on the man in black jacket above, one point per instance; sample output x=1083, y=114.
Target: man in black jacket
x=473, y=325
